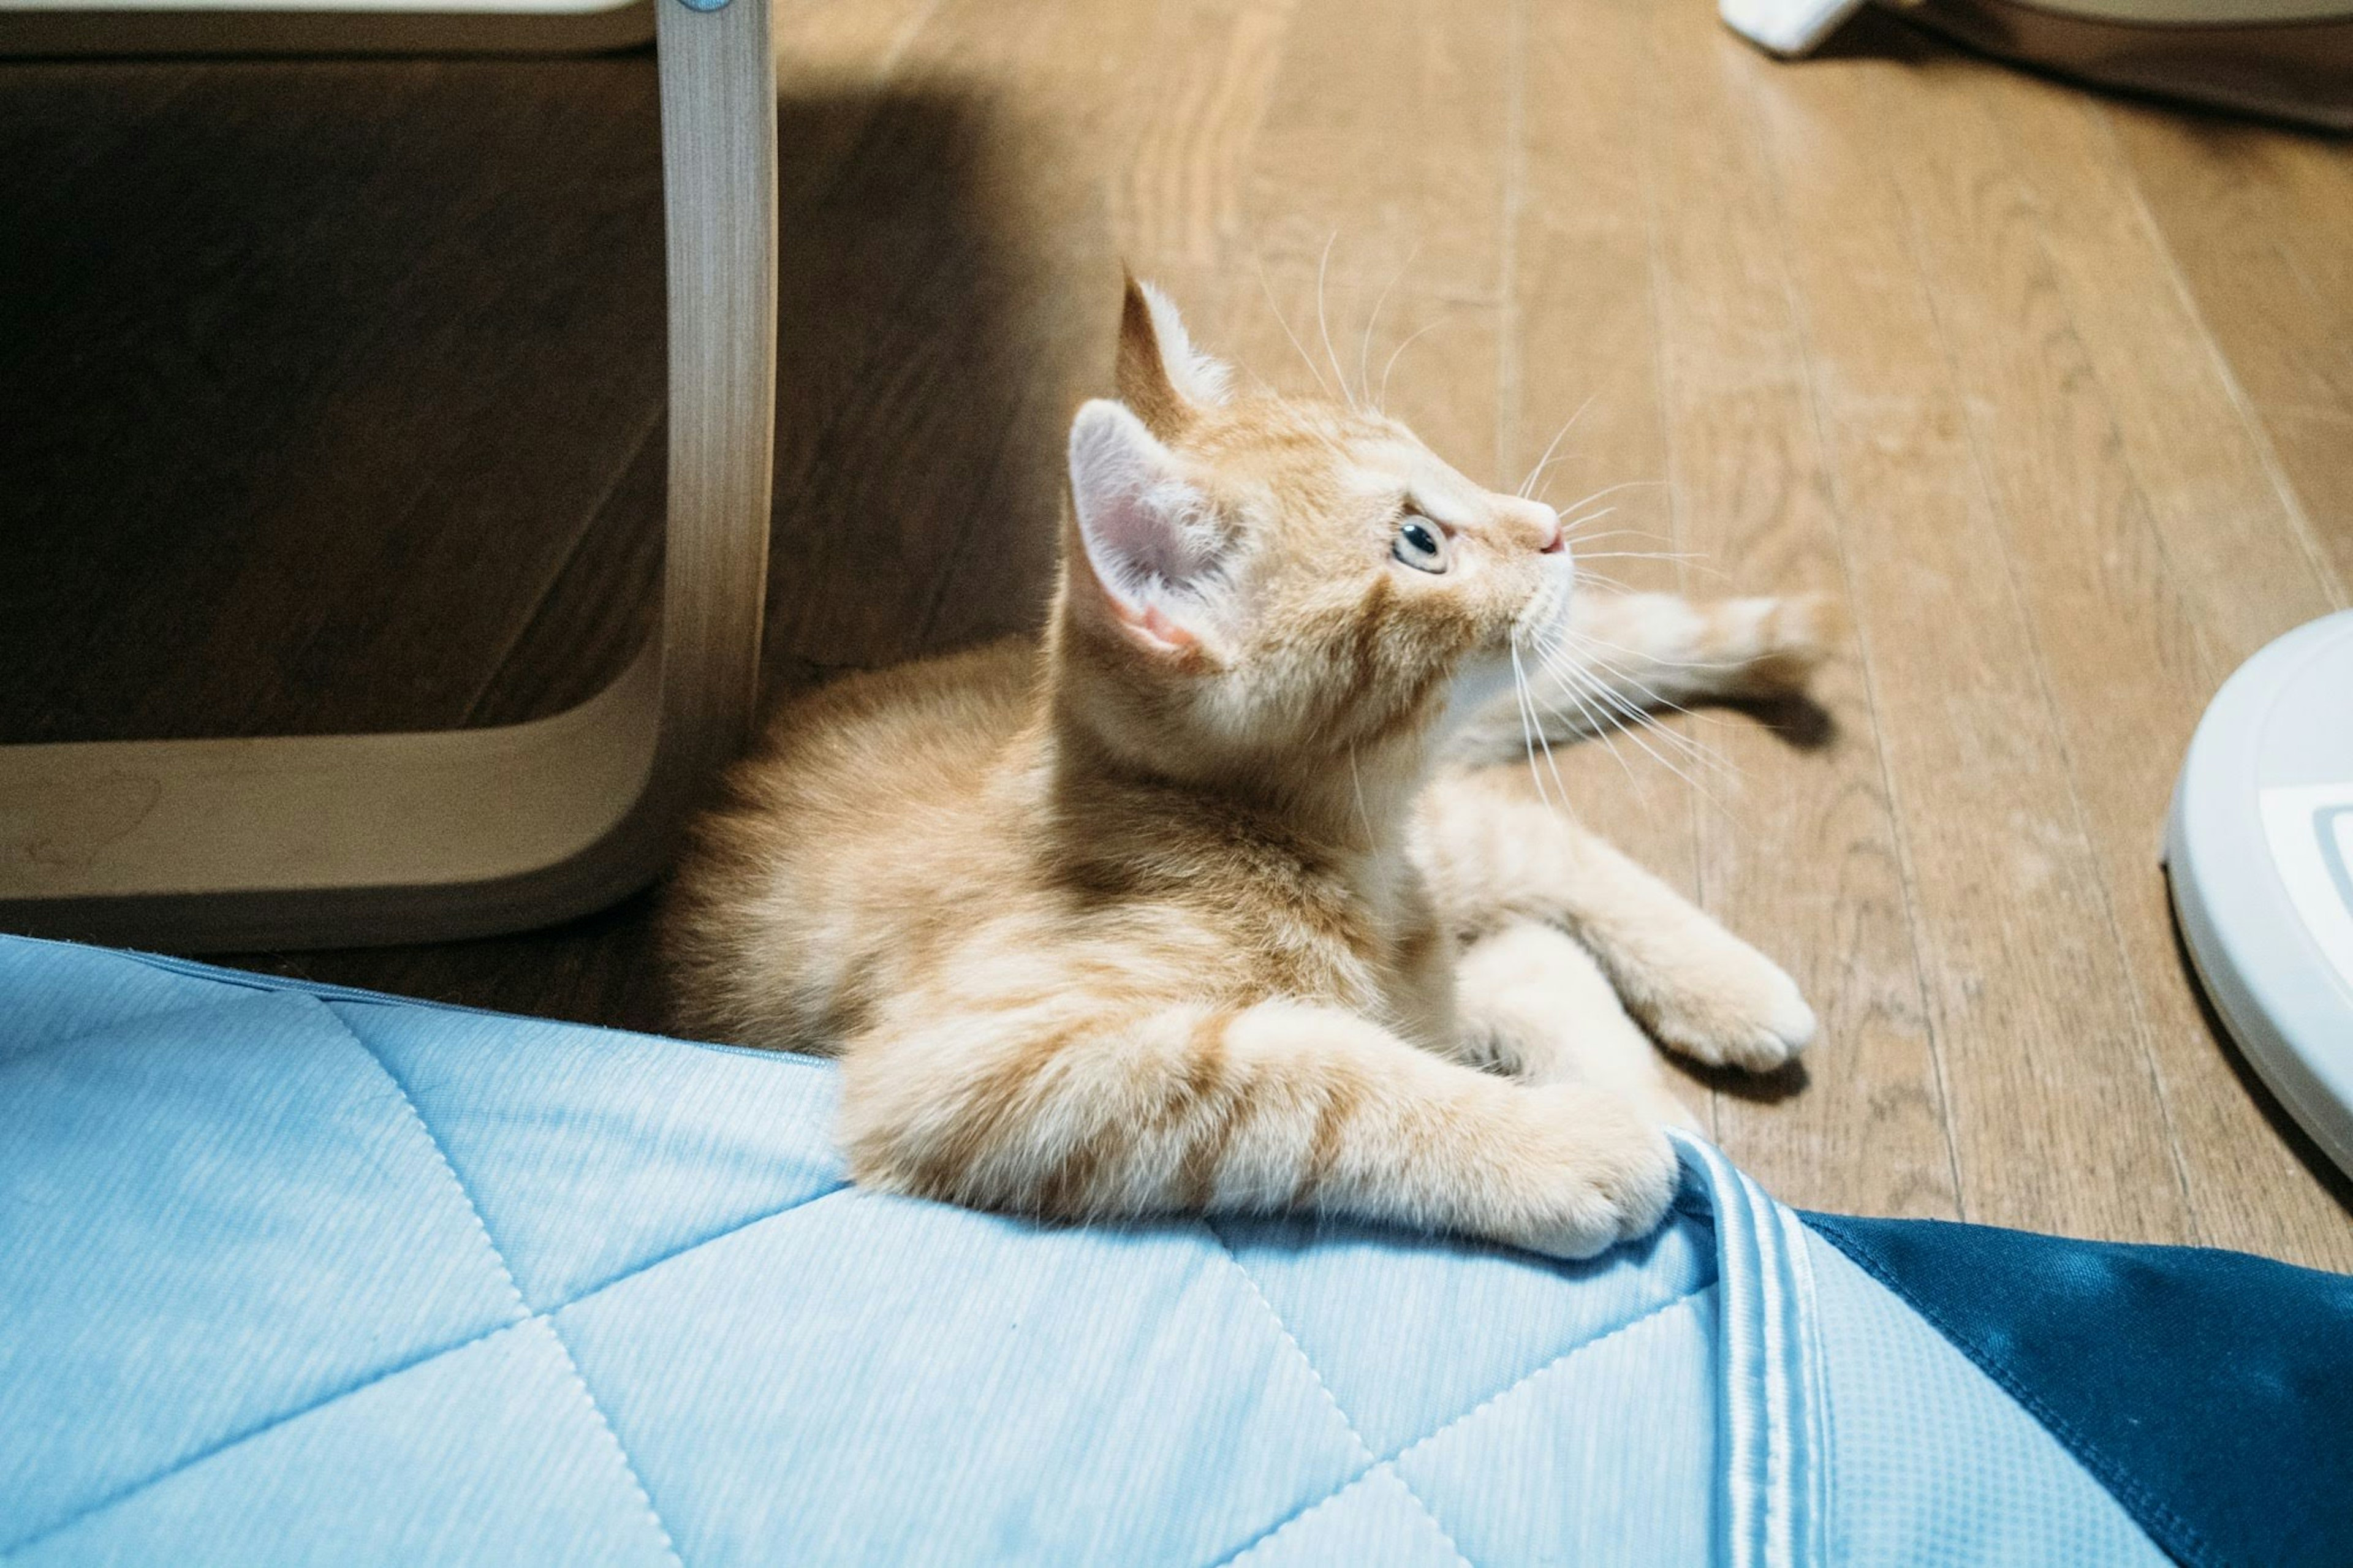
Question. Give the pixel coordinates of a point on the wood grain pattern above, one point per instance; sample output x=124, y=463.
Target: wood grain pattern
x=1977, y=777
x=2260, y=226
x=2053, y=393
x=1584, y=341
x=1807, y=859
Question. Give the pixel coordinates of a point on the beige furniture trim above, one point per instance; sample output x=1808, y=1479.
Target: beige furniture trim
x=347, y=840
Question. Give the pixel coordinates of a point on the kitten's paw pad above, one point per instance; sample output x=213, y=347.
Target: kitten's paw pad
x=1609, y=1178
x=1748, y=1015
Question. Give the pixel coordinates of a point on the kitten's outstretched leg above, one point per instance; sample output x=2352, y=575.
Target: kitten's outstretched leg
x=1631, y=653
x=1663, y=648
x=1537, y=1006
x=1492, y=857
x=1046, y=1108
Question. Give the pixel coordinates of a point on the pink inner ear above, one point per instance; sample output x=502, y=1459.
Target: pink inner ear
x=1154, y=626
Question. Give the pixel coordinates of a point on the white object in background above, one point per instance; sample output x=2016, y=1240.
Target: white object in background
x=2260, y=852
x=1787, y=27
x=2286, y=59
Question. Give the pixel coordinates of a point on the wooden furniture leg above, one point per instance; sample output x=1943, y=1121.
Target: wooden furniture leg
x=353, y=839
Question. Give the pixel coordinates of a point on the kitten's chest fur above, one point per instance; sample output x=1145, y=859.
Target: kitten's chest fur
x=1351, y=927
x=914, y=838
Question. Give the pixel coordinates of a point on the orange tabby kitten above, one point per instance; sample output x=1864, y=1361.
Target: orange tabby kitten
x=1198, y=906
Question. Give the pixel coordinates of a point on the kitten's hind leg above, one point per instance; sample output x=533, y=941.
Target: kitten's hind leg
x=1045, y=1109
x=1626, y=654
x=1537, y=1006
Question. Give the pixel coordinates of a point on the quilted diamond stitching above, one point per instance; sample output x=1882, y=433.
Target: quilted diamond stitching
x=523, y=1308
x=629, y=1466
x=1521, y=1381
x=1372, y=1460
x=342, y=1394
x=524, y=1313
x=102, y=1504
x=1279, y=1526
x=1268, y=1537
x=1443, y=1427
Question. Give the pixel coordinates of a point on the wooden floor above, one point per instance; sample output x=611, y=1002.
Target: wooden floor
x=329, y=398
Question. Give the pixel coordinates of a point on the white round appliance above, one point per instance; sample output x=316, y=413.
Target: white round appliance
x=2260, y=853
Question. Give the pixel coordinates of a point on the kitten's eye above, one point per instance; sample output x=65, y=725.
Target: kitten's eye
x=1420, y=546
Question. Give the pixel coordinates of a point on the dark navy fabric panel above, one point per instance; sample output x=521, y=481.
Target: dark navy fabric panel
x=2211, y=1392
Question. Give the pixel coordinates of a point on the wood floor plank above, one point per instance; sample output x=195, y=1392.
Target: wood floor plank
x=131, y=429
x=1806, y=858
x=355, y=399
x=2141, y=609
x=920, y=287
x=2057, y=1110
x=2314, y=177
x=1583, y=361
x=1382, y=144
x=1181, y=194
x=2232, y=538
x=2258, y=221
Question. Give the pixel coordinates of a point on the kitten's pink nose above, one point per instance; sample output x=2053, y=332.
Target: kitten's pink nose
x=1553, y=541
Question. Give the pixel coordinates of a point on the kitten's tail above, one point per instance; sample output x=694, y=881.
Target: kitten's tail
x=1626, y=654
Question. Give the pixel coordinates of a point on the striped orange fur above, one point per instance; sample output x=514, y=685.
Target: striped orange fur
x=1198, y=906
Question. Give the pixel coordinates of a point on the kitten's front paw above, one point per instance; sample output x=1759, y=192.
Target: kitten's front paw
x=1609, y=1177
x=1789, y=639
x=1737, y=1008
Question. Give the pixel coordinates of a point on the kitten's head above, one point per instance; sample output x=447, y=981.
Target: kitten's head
x=1253, y=580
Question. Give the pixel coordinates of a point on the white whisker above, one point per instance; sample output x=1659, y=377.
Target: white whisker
x=1365, y=344
x=1529, y=723
x=1546, y=740
x=1633, y=720
x=1545, y=461
x=1602, y=581
x=1397, y=352
x=1268, y=289
x=1608, y=490
x=1323, y=328
x=1588, y=638
x=1617, y=532
x=1563, y=660
x=1599, y=728
x=1634, y=733
x=1585, y=656
x=1357, y=782
x=1561, y=663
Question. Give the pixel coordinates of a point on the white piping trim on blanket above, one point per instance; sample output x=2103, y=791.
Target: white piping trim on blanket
x=1770, y=1485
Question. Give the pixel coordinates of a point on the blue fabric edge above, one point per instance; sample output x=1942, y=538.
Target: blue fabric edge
x=326, y=991
x=2172, y=1535
x=2004, y=1350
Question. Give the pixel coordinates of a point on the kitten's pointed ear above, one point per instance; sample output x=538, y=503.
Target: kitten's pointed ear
x=1160, y=374
x=1151, y=544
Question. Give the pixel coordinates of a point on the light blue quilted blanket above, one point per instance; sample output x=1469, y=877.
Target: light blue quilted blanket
x=298, y=1274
